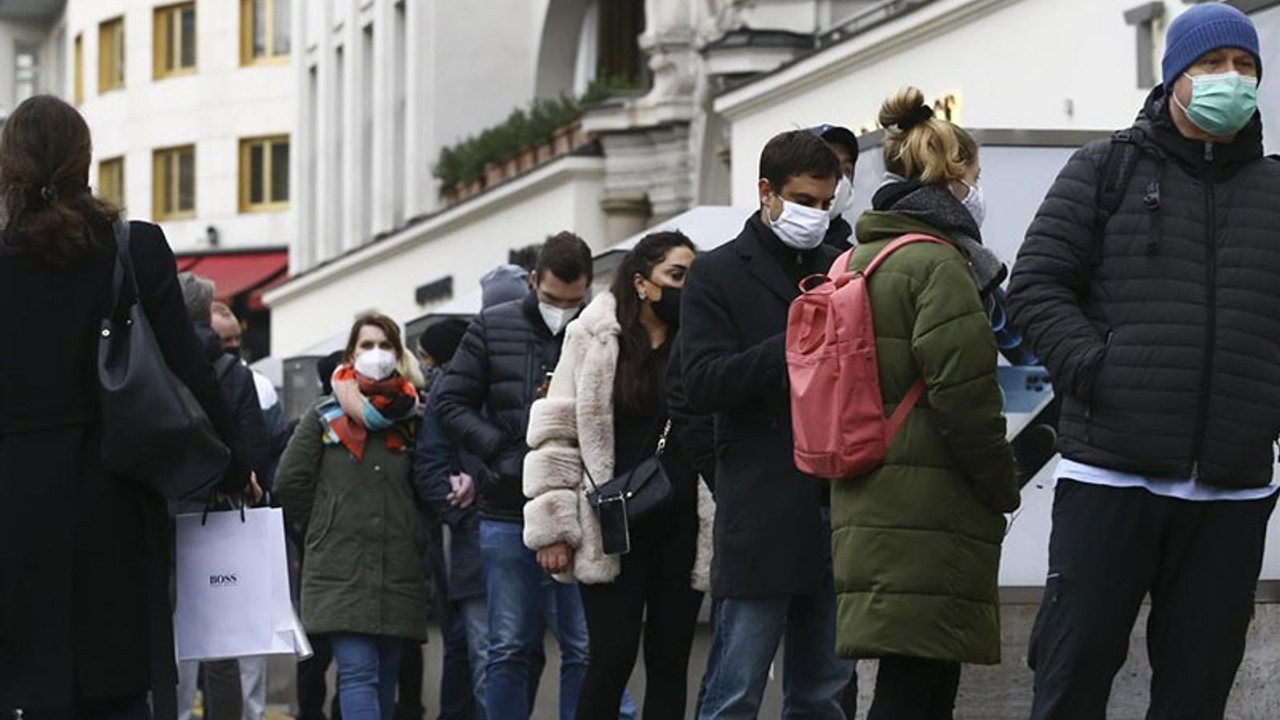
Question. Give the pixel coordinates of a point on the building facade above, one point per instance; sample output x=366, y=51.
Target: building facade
x=31, y=61
x=388, y=88
x=192, y=110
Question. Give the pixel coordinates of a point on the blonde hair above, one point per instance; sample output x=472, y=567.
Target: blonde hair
x=918, y=145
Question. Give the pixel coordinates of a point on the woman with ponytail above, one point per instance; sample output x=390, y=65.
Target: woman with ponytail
x=917, y=541
x=344, y=482
x=85, y=624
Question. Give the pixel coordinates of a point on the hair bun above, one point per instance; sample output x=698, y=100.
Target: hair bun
x=904, y=109
x=917, y=116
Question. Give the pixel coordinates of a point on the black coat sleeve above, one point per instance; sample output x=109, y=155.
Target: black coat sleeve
x=162, y=300
x=718, y=374
x=434, y=458
x=696, y=431
x=461, y=397
x=250, y=422
x=1052, y=276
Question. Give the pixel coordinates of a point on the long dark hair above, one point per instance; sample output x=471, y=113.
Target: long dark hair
x=49, y=212
x=640, y=368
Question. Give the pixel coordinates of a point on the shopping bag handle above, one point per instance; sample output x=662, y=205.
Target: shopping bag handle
x=204, y=516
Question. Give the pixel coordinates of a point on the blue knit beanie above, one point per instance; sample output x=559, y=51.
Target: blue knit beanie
x=1203, y=28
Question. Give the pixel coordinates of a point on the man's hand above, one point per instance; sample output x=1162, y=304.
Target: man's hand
x=463, y=492
x=254, y=493
x=556, y=558
x=251, y=494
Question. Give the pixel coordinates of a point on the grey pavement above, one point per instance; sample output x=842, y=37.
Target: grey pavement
x=1001, y=692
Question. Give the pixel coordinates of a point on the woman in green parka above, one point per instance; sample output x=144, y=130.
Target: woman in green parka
x=917, y=541
x=344, y=483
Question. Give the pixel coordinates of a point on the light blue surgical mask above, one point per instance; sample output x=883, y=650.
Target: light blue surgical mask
x=1221, y=104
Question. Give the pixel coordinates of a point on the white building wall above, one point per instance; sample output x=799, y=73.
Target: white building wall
x=464, y=242
x=38, y=37
x=1025, y=64
x=456, y=73
x=214, y=108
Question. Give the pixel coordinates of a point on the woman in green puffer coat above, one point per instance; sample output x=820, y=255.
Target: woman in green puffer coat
x=917, y=541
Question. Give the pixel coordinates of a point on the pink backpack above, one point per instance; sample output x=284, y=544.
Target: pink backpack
x=837, y=414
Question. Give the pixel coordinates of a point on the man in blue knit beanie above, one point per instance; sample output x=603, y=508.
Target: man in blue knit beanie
x=1149, y=286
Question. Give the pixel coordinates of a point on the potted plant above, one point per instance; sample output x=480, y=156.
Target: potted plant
x=523, y=136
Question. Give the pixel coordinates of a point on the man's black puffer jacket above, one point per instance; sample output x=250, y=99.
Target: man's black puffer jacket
x=483, y=400
x=1163, y=334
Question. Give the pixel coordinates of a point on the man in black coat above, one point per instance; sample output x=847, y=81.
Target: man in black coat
x=223, y=692
x=1157, y=313
x=771, y=576
x=235, y=379
x=483, y=404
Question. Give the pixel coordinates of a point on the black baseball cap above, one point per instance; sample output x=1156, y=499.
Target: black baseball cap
x=840, y=135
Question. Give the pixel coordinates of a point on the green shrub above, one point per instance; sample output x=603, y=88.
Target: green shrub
x=465, y=160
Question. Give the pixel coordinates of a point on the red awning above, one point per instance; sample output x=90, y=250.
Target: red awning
x=186, y=263
x=255, y=297
x=235, y=274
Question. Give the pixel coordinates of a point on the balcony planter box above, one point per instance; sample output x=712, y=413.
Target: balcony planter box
x=545, y=151
x=511, y=166
x=493, y=174
x=562, y=141
x=580, y=136
x=528, y=158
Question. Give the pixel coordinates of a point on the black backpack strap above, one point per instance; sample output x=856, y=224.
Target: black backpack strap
x=1117, y=171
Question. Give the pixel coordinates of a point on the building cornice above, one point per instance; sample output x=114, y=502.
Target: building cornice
x=567, y=168
x=875, y=43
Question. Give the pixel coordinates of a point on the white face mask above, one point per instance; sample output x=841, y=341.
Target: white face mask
x=800, y=227
x=556, y=318
x=376, y=364
x=844, y=198
x=975, y=203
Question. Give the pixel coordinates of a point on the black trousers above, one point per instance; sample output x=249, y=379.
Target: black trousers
x=409, y=688
x=652, y=596
x=910, y=688
x=132, y=707
x=1109, y=548
x=311, y=681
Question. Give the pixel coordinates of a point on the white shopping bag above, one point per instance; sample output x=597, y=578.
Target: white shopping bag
x=233, y=587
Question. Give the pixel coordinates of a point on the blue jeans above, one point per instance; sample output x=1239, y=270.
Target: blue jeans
x=457, y=689
x=475, y=616
x=522, y=601
x=747, y=632
x=368, y=666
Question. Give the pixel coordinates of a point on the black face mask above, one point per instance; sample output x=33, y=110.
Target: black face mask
x=667, y=307
x=233, y=351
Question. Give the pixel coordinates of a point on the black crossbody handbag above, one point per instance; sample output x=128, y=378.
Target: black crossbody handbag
x=154, y=431
x=630, y=497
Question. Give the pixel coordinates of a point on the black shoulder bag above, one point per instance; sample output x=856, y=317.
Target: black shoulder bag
x=154, y=431
x=628, y=498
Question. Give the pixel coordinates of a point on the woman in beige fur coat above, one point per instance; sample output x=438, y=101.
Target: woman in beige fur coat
x=605, y=409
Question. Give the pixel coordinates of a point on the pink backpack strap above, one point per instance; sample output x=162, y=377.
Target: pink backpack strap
x=909, y=400
x=901, y=412
x=897, y=244
x=841, y=264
